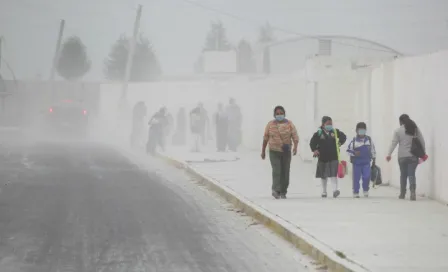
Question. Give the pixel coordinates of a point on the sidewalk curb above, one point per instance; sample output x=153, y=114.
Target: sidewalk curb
x=333, y=259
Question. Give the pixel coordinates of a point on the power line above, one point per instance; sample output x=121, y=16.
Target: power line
x=287, y=31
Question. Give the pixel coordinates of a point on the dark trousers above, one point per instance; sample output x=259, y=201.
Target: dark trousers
x=280, y=162
x=221, y=137
x=408, y=167
x=233, y=139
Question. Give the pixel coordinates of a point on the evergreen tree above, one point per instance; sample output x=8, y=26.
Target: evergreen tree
x=245, y=58
x=145, y=66
x=216, y=39
x=73, y=62
x=266, y=34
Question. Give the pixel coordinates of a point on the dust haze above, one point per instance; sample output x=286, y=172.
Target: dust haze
x=95, y=96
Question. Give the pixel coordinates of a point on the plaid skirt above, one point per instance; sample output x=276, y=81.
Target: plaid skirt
x=327, y=169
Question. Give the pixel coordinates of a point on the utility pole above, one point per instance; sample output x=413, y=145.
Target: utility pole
x=1, y=40
x=3, y=91
x=131, y=52
x=51, y=94
x=58, y=48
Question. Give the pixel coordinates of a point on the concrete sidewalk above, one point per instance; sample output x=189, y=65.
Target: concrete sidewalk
x=379, y=233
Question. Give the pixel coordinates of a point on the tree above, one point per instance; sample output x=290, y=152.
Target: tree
x=145, y=66
x=266, y=34
x=246, y=62
x=73, y=62
x=216, y=39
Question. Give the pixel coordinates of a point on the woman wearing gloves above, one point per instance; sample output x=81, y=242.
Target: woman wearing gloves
x=323, y=145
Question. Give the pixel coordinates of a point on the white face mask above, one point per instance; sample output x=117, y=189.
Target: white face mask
x=361, y=132
x=280, y=117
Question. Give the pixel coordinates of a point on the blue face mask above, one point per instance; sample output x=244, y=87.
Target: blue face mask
x=328, y=127
x=279, y=118
x=361, y=132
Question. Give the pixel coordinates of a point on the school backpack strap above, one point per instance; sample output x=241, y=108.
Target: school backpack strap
x=336, y=137
x=353, y=145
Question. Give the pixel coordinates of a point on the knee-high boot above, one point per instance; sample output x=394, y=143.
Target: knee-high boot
x=412, y=188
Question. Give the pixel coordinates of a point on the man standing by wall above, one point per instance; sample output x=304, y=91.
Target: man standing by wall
x=199, y=124
x=235, y=120
x=220, y=120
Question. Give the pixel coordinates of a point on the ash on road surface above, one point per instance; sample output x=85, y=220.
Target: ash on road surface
x=85, y=207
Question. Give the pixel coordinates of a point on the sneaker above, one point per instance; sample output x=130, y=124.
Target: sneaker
x=324, y=195
x=283, y=196
x=275, y=195
x=355, y=195
x=413, y=197
x=366, y=194
x=336, y=193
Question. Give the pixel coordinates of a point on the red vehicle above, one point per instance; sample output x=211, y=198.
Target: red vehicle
x=67, y=117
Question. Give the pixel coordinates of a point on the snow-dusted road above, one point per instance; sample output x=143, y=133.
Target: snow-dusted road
x=84, y=208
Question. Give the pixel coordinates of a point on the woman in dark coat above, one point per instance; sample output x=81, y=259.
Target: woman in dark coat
x=324, y=147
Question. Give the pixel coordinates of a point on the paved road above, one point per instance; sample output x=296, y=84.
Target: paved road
x=85, y=207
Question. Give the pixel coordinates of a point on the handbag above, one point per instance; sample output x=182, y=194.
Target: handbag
x=417, y=147
x=342, y=165
x=375, y=176
x=285, y=147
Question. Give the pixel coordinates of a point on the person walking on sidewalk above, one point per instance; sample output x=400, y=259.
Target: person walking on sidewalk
x=405, y=137
x=234, y=125
x=156, y=135
x=323, y=145
x=221, y=128
x=280, y=134
x=362, y=152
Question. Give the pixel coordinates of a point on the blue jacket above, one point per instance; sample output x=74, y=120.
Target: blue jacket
x=366, y=148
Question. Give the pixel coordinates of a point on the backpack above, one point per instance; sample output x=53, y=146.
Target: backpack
x=417, y=148
x=375, y=175
x=354, y=140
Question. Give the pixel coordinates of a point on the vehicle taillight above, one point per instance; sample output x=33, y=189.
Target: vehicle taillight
x=51, y=109
x=84, y=112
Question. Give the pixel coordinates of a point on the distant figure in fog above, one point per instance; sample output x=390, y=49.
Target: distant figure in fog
x=199, y=125
x=180, y=135
x=138, y=114
x=169, y=128
x=235, y=120
x=280, y=134
x=156, y=135
x=221, y=125
x=411, y=148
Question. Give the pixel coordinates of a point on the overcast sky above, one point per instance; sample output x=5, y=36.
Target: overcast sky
x=177, y=28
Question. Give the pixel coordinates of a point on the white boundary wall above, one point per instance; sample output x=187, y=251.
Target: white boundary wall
x=416, y=86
